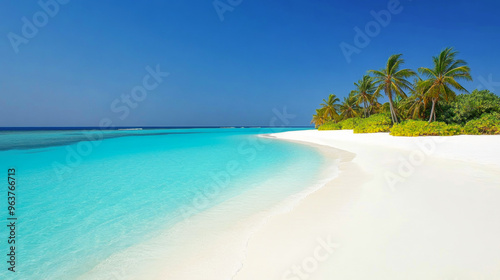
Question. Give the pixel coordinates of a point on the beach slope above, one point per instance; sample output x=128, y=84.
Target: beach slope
x=401, y=208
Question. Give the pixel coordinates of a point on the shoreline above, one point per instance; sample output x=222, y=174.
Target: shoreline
x=292, y=237
x=436, y=224
x=220, y=253
x=440, y=222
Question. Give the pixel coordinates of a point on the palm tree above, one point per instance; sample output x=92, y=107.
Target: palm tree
x=375, y=106
x=330, y=107
x=442, y=79
x=363, y=92
x=385, y=108
x=399, y=107
x=416, y=104
x=393, y=80
x=319, y=118
x=349, y=107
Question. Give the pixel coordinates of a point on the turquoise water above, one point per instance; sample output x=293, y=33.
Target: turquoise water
x=80, y=201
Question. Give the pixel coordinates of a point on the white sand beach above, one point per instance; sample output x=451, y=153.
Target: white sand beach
x=399, y=208
x=436, y=217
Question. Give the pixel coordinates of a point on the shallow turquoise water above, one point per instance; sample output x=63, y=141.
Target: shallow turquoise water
x=80, y=201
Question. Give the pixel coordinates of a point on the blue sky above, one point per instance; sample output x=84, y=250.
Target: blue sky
x=263, y=56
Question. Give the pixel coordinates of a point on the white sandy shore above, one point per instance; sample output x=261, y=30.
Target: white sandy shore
x=436, y=217
x=402, y=208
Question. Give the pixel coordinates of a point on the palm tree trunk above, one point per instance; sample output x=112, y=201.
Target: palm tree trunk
x=365, y=108
x=369, y=108
x=392, y=115
x=393, y=112
x=433, y=113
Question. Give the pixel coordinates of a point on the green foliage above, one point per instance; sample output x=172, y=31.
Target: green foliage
x=470, y=106
x=349, y=107
x=363, y=94
x=345, y=124
x=423, y=128
x=432, y=98
x=393, y=81
x=373, y=124
x=349, y=123
x=330, y=126
x=443, y=79
x=487, y=124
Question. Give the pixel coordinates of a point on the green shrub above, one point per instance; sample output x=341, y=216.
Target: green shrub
x=373, y=124
x=487, y=124
x=423, y=128
x=349, y=123
x=370, y=128
x=330, y=126
x=467, y=107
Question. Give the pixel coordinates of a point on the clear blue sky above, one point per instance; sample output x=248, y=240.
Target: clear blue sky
x=263, y=55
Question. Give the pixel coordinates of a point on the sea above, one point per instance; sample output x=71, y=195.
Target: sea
x=84, y=197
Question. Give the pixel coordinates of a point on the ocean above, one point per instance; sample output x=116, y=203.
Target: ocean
x=83, y=198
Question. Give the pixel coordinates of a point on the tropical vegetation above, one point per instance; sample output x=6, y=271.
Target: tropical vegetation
x=433, y=103
x=393, y=81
